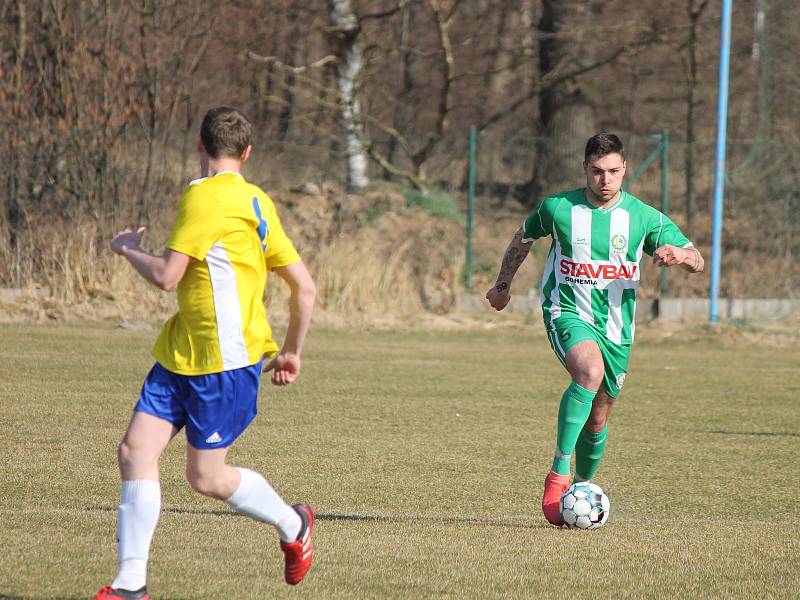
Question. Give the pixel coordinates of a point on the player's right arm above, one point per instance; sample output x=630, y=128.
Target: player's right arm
x=538, y=224
x=163, y=271
x=197, y=227
x=500, y=293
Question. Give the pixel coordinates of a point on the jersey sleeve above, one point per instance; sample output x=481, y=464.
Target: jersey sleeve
x=280, y=251
x=198, y=225
x=540, y=222
x=661, y=230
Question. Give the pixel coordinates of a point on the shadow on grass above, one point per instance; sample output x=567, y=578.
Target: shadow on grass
x=517, y=522
x=759, y=433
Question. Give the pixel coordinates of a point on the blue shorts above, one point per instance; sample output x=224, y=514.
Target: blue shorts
x=215, y=408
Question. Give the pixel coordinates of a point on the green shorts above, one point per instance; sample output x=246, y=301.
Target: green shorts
x=566, y=331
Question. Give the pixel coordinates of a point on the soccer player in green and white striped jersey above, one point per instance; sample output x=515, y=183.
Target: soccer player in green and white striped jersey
x=591, y=275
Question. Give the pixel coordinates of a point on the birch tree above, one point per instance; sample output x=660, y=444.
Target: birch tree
x=350, y=61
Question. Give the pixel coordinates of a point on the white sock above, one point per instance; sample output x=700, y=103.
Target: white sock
x=139, y=507
x=255, y=498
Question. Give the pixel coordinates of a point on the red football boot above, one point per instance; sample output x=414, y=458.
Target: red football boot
x=554, y=487
x=300, y=553
x=109, y=593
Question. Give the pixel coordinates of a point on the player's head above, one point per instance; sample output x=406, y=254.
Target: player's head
x=604, y=165
x=226, y=133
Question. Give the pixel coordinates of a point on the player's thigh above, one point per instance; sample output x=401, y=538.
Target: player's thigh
x=615, y=361
x=221, y=406
x=160, y=401
x=576, y=344
x=145, y=439
x=565, y=333
x=584, y=356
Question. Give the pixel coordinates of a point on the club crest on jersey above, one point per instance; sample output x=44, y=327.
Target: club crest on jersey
x=621, y=380
x=619, y=243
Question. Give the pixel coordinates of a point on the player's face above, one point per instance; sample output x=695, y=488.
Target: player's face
x=604, y=175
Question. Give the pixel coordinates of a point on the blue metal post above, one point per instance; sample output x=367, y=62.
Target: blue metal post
x=719, y=170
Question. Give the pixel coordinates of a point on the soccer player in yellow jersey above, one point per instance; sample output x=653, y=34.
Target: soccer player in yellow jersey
x=210, y=354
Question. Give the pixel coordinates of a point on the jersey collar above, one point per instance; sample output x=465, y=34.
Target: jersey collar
x=202, y=179
x=607, y=208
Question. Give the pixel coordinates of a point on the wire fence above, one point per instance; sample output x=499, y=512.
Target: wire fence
x=761, y=237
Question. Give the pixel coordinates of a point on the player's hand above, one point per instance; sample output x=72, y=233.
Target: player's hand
x=499, y=295
x=285, y=368
x=669, y=256
x=127, y=239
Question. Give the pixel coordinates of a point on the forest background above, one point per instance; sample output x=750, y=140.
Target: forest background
x=362, y=111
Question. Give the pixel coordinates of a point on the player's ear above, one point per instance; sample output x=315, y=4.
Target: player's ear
x=199, y=145
x=246, y=154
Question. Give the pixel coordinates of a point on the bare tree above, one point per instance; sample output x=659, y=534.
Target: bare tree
x=566, y=112
x=168, y=63
x=443, y=15
x=694, y=11
x=346, y=28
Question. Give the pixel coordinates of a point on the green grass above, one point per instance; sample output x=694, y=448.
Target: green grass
x=437, y=203
x=424, y=454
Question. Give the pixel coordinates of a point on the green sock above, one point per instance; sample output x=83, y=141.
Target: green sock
x=588, y=452
x=576, y=404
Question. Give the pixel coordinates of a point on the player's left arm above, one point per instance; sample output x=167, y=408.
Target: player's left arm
x=163, y=271
x=688, y=258
x=668, y=245
x=285, y=366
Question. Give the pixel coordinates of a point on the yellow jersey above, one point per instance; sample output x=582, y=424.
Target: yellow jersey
x=230, y=230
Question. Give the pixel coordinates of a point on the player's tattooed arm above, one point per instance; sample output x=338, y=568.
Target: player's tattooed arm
x=693, y=262
x=500, y=293
x=515, y=255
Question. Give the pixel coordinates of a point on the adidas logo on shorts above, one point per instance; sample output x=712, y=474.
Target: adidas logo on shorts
x=214, y=438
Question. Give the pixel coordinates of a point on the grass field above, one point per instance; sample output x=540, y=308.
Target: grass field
x=424, y=454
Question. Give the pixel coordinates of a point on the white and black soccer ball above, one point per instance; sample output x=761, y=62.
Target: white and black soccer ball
x=584, y=506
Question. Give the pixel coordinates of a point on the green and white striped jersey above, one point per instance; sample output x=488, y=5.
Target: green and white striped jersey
x=592, y=270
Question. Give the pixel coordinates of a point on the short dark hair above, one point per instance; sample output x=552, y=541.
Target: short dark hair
x=225, y=132
x=602, y=144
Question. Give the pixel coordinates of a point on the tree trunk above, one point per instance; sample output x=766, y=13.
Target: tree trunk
x=13, y=210
x=405, y=82
x=566, y=116
x=694, y=11
x=350, y=62
x=285, y=117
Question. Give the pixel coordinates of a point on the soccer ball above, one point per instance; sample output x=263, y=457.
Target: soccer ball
x=584, y=506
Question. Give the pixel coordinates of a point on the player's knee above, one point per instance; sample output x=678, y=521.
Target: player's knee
x=128, y=458
x=205, y=483
x=590, y=376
